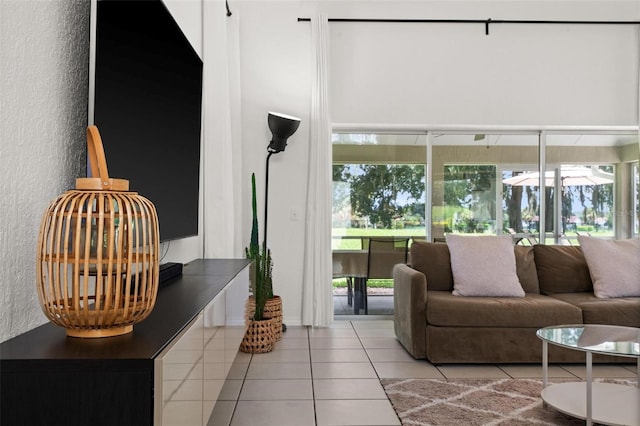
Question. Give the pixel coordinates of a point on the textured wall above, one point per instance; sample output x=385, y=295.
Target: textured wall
x=44, y=72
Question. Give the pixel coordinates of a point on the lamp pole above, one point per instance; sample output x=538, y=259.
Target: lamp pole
x=266, y=202
x=282, y=126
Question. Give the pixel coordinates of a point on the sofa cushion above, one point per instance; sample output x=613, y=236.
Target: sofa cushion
x=481, y=345
x=614, y=266
x=561, y=269
x=618, y=311
x=526, y=269
x=484, y=266
x=432, y=259
x=534, y=310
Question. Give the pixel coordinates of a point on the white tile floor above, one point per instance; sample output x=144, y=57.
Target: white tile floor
x=330, y=376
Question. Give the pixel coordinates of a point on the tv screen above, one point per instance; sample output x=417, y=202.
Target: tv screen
x=147, y=107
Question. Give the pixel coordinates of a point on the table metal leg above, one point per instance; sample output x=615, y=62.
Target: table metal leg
x=365, y=299
x=589, y=390
x=356, y=296
x=349, y=291
x=545, y=363
x=360, y=295
x=545, y=367
x=358, y=299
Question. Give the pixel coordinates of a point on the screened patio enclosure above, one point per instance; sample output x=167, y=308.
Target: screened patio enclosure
x=587, y=184
x=401, y=182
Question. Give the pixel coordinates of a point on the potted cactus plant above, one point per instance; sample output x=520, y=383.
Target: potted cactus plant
x=264, y=310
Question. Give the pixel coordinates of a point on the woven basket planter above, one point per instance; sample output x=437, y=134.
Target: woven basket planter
x=258, y=337
x=272, y=309
x=97, y=257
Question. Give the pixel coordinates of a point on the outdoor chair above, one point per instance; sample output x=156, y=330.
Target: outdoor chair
x=338, y=273
x=516, y=238
x=531, y=239
x=382, y=254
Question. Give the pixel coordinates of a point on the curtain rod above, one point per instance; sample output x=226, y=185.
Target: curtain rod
x=486, y=22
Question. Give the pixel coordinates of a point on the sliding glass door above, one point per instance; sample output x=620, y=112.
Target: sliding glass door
x=379, y=187
x=470, y=195
x=490, y=184
x=594, y=174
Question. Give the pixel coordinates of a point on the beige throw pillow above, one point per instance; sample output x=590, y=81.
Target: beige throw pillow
x=614, y=266
x=484, y=266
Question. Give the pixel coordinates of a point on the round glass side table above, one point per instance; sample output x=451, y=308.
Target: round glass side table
x=603, y=403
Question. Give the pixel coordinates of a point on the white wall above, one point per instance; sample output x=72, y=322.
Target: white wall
x=188, y=15
x=43, y=104
x=517, y=75
x=275, y=60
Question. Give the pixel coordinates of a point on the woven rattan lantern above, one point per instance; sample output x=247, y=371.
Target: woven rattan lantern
x=97, y=259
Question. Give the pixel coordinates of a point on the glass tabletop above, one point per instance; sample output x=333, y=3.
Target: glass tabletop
x=596, y=338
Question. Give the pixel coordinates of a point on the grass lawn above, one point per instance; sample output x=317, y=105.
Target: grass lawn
x=377, y=283
x=349, y=238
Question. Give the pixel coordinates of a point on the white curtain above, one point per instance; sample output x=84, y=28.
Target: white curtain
x=222, y=154
x=317, y=298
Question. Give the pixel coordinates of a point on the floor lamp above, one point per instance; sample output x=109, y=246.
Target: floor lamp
x=282, y=126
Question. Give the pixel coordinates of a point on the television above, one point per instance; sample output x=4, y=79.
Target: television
x=147, y=105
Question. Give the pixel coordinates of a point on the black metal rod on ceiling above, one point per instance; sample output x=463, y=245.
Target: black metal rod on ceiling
x=485, y=22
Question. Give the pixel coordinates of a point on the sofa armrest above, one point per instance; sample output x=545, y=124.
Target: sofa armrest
x=410, y=309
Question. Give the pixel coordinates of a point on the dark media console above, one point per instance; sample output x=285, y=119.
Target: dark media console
x=49, y=379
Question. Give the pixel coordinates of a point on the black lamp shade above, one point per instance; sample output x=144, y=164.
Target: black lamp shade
x=282, y=126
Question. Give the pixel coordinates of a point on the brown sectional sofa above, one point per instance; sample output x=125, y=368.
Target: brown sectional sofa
x=432, y=323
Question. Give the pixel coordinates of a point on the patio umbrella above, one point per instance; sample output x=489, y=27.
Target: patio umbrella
x=570, y=176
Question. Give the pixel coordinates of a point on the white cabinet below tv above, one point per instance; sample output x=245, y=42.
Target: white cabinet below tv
x=190, y=372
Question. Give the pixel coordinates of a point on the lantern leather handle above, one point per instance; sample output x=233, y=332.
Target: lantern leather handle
x=99, y=177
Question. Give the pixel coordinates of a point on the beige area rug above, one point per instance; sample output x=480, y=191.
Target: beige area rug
x=467, y=402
